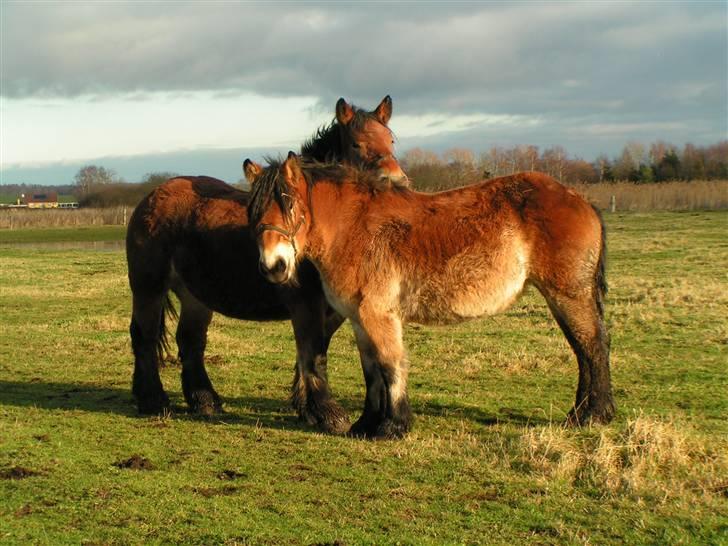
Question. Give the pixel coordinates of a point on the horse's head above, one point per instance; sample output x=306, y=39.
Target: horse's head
x=278, y=214
x=367, y=141
x=359, y=138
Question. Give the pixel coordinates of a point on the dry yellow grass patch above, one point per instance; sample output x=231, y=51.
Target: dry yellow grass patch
x=647, y=457
x=695, y=195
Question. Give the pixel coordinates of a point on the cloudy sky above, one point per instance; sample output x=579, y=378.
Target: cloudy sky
x=194, y=87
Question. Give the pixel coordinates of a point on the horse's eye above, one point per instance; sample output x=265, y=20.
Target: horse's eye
x=355, y=145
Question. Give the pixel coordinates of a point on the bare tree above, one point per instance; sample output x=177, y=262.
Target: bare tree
x=531, y=157
x=157, y=178
x=492, y=162
x=603, y=167
x=417, y=157
x=554, y=159
x=91, y=176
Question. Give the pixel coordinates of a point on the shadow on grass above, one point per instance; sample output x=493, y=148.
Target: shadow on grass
x=253, y=411
x=513, y=416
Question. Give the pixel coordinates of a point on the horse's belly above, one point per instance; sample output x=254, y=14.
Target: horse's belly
x=461, y=294
x=231, y=287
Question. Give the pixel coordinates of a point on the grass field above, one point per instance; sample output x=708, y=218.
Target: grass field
x=63, y=235
x=487, y=461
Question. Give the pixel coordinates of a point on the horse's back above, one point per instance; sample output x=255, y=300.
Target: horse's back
x=182, y=201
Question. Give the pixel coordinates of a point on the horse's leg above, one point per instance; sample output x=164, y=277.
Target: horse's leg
x=581, y=320
x=147, y=334
x=387, y=412
x=194, y=319
x=310, y=393
x=332, y=323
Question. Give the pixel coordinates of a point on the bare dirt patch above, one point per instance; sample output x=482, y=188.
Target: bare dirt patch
x=135, y=462
x=17, y=473
x=229, y=475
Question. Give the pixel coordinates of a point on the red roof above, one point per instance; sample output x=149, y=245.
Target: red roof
x=48, y=197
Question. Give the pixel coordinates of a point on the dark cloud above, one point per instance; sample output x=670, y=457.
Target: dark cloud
x=575, y=64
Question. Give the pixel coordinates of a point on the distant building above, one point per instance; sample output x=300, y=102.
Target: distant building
x=47, y=200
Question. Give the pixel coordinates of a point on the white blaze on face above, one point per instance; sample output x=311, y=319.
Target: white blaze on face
x=282, y=250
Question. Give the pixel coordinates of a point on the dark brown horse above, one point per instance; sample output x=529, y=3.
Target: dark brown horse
x=191, y=236
x=395, y=255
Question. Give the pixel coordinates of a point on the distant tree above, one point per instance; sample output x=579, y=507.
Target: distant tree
x=636, y=151
x=91, y=176
x=668, y=167
x=658, y=150
x=492, y=162
x=554, y=160
x=417, y=157
x=460, y=157
x=461, y=167
x=603, y=168
x=531, y=156
x=625, y=166
x=646, y=175
x=716, y=160
x=157, y=178
x=693, y=162
x=579, y=171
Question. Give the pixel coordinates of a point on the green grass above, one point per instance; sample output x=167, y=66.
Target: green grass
x=487, y=461
x=59, y=235
x=12, y=198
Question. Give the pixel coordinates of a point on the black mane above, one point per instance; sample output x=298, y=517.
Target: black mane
x=325, y=145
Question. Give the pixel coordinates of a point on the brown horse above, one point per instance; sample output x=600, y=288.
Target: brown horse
x=191, y=236
x=390, y=256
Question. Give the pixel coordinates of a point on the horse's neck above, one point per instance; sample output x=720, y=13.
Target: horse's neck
x=331, y=209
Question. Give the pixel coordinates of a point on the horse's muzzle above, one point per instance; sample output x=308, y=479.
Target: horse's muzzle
x=279, y=273
x=390, y=170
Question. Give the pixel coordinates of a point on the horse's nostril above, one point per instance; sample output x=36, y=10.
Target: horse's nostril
x=279, y=267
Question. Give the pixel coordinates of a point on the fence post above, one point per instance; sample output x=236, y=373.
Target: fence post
x=613, y=204
x=124, y=215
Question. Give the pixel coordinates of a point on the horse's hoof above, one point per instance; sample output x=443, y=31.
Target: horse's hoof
x=363, y=428
x=328, y=416
x=334, y=420
x=391, y=430
x=387, y=429
x=154, y=406
x=205, y=403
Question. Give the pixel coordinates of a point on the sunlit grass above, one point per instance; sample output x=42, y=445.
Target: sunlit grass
x=487, y=461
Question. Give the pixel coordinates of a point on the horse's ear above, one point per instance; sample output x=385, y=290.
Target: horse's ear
x=384, y=110
x=344, y=111
x=252, y=171
x=291, y=169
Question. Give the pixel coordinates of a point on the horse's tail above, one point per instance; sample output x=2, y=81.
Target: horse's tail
x=600, y=275
x=168, y=312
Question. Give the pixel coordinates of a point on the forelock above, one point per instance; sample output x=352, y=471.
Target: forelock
x=269, y=186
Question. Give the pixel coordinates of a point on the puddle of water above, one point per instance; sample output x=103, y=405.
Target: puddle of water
x=99, y=246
